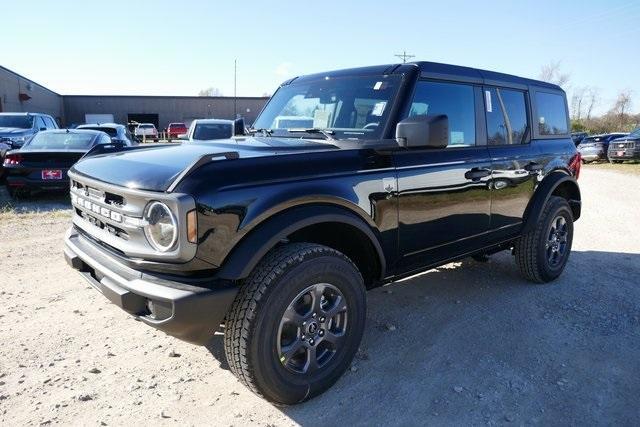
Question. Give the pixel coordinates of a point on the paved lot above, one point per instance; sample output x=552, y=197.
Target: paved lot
x=468, y=343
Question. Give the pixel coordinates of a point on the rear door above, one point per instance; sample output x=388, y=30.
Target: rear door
x=444, y=199
x=513, y=158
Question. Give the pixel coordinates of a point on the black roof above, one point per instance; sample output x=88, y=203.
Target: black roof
x=436, y=70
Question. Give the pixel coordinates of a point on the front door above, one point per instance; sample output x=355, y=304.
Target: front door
x=444, y=196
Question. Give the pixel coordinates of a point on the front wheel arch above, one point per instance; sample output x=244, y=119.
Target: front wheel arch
x=272, y=232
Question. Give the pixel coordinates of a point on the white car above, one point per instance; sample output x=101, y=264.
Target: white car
x=147, y=130
x=210, y=129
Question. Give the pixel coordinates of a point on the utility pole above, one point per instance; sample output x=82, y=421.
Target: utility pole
x=404, y=56
x=235, y=87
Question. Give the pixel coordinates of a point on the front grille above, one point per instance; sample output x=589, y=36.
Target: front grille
x=114, y=218
x=621, y=144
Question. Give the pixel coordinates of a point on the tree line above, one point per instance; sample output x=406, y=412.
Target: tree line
x=585, y=100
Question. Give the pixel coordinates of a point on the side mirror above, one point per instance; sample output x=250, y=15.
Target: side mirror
x=238, y=127
x=423, y=131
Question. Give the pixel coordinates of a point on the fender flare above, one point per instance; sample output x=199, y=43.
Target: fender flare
x=254, y=246
x=542, y=194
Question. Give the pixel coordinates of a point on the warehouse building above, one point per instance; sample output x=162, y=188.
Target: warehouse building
x=18, y=93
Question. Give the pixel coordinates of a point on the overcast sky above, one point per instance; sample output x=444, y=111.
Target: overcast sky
x=180, y=47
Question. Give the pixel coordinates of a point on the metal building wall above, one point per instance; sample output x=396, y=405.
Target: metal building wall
x=169, y=108
x=42, y=99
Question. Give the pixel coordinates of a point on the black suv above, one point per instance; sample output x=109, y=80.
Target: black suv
x=277, y=235
x=625, y=148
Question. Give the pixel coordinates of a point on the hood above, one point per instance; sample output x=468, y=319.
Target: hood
x=626, y=138
x=156, y=167
x=14, y=131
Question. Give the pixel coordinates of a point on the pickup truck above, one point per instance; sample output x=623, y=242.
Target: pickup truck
x=274, y=236
x=146, y=131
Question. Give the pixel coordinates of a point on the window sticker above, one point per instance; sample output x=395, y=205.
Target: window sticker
x=377, y=86
x=487, y=96
x=378, y=108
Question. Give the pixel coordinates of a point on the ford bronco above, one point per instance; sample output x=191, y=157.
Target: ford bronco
x=273, y=236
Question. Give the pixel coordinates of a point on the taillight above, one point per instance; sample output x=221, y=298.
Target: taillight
x=574, y=165
x=12, y=159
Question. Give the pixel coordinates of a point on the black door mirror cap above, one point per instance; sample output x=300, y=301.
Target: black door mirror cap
x=430, y=131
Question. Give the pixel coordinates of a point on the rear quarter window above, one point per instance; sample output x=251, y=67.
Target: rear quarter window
x=552, y=114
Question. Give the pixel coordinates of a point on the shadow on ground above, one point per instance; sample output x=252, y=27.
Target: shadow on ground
x=473, y=343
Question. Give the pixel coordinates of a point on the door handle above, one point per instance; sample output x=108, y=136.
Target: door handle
x=476, y=173
x=533, y=167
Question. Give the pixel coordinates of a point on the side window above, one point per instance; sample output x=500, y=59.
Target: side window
x=105, y=139
x=453, y=99
x=552, y=114
x=49, y=122
x=506, y=113
x=40, y=123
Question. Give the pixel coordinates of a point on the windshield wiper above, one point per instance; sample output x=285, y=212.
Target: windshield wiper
x=324, y=132
x=265, y=132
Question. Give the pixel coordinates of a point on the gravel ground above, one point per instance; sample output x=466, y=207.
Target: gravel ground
x=468, y=343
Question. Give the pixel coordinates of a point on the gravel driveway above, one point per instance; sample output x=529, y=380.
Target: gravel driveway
x=468, y=343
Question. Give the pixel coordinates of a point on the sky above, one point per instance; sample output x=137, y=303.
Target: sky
x=180, y=47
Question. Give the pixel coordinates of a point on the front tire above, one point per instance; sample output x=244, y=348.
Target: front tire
x=542, y=253
x=296, y=323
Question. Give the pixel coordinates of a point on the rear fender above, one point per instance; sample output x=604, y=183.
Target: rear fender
x=563, y=184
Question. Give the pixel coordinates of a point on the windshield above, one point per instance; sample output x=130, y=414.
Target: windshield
x=109, y=131
x=61, y=141
x=351, y=107
x=146, y=126
x=205, y=131
x=20, y=122
x=635, y=133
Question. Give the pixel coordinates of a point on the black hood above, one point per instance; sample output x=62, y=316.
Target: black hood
x=156, y=167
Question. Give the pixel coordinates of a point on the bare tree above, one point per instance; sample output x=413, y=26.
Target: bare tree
x=210, y=91
x=593, y=97
x=577, y=102
x=552, y=73
x=622, y=106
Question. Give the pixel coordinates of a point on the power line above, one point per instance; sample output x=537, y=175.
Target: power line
x=404, y=56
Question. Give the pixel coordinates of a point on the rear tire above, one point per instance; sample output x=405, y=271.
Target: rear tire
x=542, y=253
x=296, y=323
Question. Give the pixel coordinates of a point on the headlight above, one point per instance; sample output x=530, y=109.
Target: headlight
x=161, y=230
x=18, y=139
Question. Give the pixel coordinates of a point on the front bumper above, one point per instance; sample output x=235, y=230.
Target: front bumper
x=624, y=154
x=190, y=313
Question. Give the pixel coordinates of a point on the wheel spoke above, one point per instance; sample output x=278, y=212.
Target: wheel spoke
x=316, y=293
x=312, y=360
x=339, y=306
x=292, y=316
x=290, y=350
x=333, y=338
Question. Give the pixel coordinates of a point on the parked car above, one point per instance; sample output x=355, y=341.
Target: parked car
x=43, y=162
x=625, y=148
x=595, y=147
x=577, y=137
x=407, y=167
x=210, y=130
x=146, y=130
x=117, y=133
x=174, y=130
x=18, y=128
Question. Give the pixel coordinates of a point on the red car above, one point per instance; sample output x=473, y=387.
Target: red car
x=175, y=129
